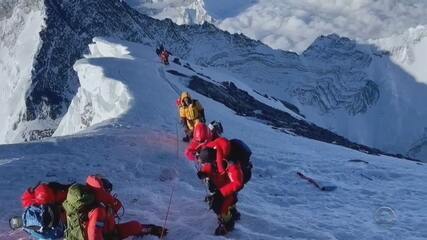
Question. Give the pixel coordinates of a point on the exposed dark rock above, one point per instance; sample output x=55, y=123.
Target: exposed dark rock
x=176, y=73
x=245, y=105
x=176, y=61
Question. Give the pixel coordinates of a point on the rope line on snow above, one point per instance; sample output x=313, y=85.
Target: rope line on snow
x=176, y=90
x=173, y=86
x=174, y=183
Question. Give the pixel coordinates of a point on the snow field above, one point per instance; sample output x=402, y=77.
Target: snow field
x=290, y=24
x=137, y=151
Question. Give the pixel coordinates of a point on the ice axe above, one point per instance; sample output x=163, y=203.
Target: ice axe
x=326, y=188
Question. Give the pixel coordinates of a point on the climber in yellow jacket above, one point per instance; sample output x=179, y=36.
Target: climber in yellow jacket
x=191, y=112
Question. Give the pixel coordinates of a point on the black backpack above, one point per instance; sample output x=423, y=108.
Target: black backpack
x=241, y=153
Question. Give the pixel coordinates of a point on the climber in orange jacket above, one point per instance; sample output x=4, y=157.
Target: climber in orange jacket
x=164, y=57
x=101, y=223
x=225, y=188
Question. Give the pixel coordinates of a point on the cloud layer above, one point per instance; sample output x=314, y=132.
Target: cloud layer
x=294, y=24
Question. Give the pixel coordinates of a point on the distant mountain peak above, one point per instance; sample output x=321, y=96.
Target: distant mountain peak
x=180, y=11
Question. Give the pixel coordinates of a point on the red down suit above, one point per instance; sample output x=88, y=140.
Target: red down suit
x=228, y=184
x=102, y=219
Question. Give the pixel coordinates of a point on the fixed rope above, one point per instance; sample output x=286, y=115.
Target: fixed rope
x=174, y=183
x=176, y=90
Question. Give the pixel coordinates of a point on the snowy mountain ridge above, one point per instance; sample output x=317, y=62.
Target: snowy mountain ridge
x=349, y=88
x=181, y=11
x=101, y=98
x=140, y=152
x=98, y=99
x=21, y=22
x=408, y=49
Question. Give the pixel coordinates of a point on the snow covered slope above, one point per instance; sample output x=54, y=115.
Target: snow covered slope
x=181, y=11
x=355, y=90
x=103, y=98
x=137, y=151
x=20, y=24
x=352, y=89
x=99, y=98
x=408, y=51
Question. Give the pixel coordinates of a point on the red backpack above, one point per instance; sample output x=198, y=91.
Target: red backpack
x=44, y=193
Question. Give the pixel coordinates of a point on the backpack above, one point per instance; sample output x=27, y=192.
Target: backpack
x=241, y=153
x=44, y=193
x=43, y=222
x=80, y=200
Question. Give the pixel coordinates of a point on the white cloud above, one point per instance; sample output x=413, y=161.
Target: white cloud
x=294, y=24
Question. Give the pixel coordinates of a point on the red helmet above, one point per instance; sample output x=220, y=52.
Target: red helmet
x=97, y=181
x=201, y=132
x=43, y=194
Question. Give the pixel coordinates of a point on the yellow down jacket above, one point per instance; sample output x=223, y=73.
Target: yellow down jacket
x=193, y=113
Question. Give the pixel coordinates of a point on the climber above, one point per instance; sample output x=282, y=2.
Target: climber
x=103, y=208
x=164, y=57
x=216, y=129
x=159, y=50
x=203, y=134
x=43, y=217
x=221, y=144
x=224, y=189
x=191, y=112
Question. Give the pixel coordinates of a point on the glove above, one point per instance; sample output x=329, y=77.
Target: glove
x=155, y=230
x=201, y=175
x=215, y=201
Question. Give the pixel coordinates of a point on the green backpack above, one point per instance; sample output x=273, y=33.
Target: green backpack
x=80, y=200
